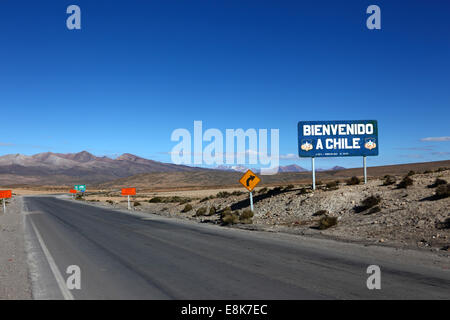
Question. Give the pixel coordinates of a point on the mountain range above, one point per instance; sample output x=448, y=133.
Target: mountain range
x=81, y=167
x=84, y=168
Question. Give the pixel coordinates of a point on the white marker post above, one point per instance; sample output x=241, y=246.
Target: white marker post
x=129, y=206
x=251, y=201
x=365, y=169
x=313, y=173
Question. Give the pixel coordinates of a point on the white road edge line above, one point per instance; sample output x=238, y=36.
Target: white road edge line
x=59, y=278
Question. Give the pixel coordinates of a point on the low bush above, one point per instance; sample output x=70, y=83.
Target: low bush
x=246, y=214
x=443, y=191
x=187, y=208
x=302, y=191
x=223, y=194
x=411, y=173
x=174, y=199
x=332, y=185
x=353, y=181
x=437, y=183
x=389, y=180
x=226, y=211
x=367, y=203
x=230, y=219
x=371, y=201
x=136, y=203
x=212, y=211
x=289, y=187
x=110, y=201
x=200, y=211
x=327, y=222
x=405, y=183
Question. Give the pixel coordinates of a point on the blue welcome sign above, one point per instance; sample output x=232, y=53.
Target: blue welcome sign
x=338, y=138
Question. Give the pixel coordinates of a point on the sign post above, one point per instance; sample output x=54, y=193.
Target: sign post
x=313, y=168
x=365, y=169
x=249, y=180
x=129, y=192
x=5, y=194
x=337, y=139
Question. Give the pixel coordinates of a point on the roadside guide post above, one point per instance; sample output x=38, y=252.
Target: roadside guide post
x=341, y=138
x=365, y=169
x=249, y=180
x=313, y=169
x=5, y=194
x=129, y=192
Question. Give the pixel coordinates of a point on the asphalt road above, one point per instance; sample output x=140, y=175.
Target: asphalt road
x=123, y=256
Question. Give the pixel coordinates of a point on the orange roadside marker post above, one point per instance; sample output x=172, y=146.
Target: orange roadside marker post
x=72, y=191
x=129, y=192
x=249, y=180
x=5, y=194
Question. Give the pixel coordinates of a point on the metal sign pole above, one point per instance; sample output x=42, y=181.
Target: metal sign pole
x=129, y=207
x=4, y=205
x=365, y=169
x=251, y=201
x=313, y=173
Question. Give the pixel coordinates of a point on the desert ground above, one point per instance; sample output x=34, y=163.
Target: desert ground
x=381, y=212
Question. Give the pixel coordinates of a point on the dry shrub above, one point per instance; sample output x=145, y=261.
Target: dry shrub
x=389, y=180
x=246, y=216
x=443, y=191
x=155, y=200
x=327, y=222
x=200, y=211
x=212, y=211
x=187, y=208
x=353, y=181
x=405, y=183
x=367, y=203
x=230, y=219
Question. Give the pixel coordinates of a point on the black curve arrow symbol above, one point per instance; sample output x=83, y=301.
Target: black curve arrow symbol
x=251, y=178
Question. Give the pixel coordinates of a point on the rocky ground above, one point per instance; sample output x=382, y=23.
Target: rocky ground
x=409, y=217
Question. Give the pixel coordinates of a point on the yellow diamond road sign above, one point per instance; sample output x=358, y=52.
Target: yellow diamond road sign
x=249, y=180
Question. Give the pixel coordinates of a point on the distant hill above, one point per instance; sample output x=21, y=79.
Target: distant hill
x=82, y=167
x=288, y=168
x=221, y=178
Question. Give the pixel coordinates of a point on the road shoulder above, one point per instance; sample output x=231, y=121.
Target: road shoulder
x=14, y=279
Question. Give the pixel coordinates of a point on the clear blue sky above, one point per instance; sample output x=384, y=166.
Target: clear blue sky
x=140, y=69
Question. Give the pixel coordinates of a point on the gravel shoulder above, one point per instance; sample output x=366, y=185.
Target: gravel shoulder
x=14, y=281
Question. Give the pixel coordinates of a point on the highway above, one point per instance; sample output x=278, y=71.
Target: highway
x=143, y=256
